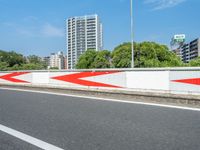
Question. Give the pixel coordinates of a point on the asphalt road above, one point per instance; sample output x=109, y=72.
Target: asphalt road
x=73, y=123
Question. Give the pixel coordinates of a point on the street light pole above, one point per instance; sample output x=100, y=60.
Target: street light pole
x=132, y=36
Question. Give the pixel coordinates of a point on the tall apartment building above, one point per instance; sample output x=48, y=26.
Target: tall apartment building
x=190, y=50
x=83, y=33
x=185, y=53
x=57, y=60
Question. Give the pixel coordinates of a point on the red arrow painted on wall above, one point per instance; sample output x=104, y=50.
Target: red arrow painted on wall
x=10, y=77
x=76, y=78
x=194, y=81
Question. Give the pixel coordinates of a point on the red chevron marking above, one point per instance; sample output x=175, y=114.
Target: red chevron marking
x=76, y=79
x=194, y=81
x=10, y=77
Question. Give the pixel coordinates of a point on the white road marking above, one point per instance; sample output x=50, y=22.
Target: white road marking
x=105, y=99
x=29, y=139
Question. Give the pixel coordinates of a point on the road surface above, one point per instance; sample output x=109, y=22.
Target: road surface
x=29, y=120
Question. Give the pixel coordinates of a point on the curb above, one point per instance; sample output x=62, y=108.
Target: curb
x=139, y=96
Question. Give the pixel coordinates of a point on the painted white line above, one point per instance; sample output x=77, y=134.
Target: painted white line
x=29, y=139
x=106, y=99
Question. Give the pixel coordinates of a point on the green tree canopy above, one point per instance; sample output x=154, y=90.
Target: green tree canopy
x=146, y=54
x=121, y=56
x=14, y=61
x=3, y=66
x=34, y=59
x=86, y=60
x=94, y=59
x=195, y=62
x=31, y=66
x=12, y=58
x=54, y=68
x=102, y=59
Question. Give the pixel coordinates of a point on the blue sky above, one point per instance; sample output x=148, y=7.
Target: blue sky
x=38, y=26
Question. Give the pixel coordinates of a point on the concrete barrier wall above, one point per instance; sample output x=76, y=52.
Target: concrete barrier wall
x=172, y=80
x=149, y=80
x=185, y=81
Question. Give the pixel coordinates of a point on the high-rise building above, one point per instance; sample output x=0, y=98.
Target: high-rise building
x=190, y=50
x=83, y=33
x=57, y=60
x=185, y=53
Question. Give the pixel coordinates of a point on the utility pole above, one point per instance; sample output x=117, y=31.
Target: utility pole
x=132, y=36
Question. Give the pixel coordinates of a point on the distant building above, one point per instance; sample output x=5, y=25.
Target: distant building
x=185, y=53
x=65, y=63
x=177, y=51
x=190, y=50
x=46, y=60
x=83, y=33
x=57, y=60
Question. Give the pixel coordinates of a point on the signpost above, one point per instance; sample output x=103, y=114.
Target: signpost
x=177, y=41
x=179, y=38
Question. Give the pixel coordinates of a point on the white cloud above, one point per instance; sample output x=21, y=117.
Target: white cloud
x=162, y=4
x=13, y=27
x=25, y=32
x=52, y=31
x=43, y=30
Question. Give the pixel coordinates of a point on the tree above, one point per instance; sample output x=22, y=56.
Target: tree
x=15, y=67
x=31, y=66
x=195, y=62
x=157, y=55
x=12, y=58
x=53, y=68
x=3, y=66
x=34, y=59
x=86, y=60
x=121, y=56
x=102, y=59
x=15, y=61
x=94, y=59
x=146, y=54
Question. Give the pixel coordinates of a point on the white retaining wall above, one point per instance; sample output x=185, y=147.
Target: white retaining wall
x=171, y=80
